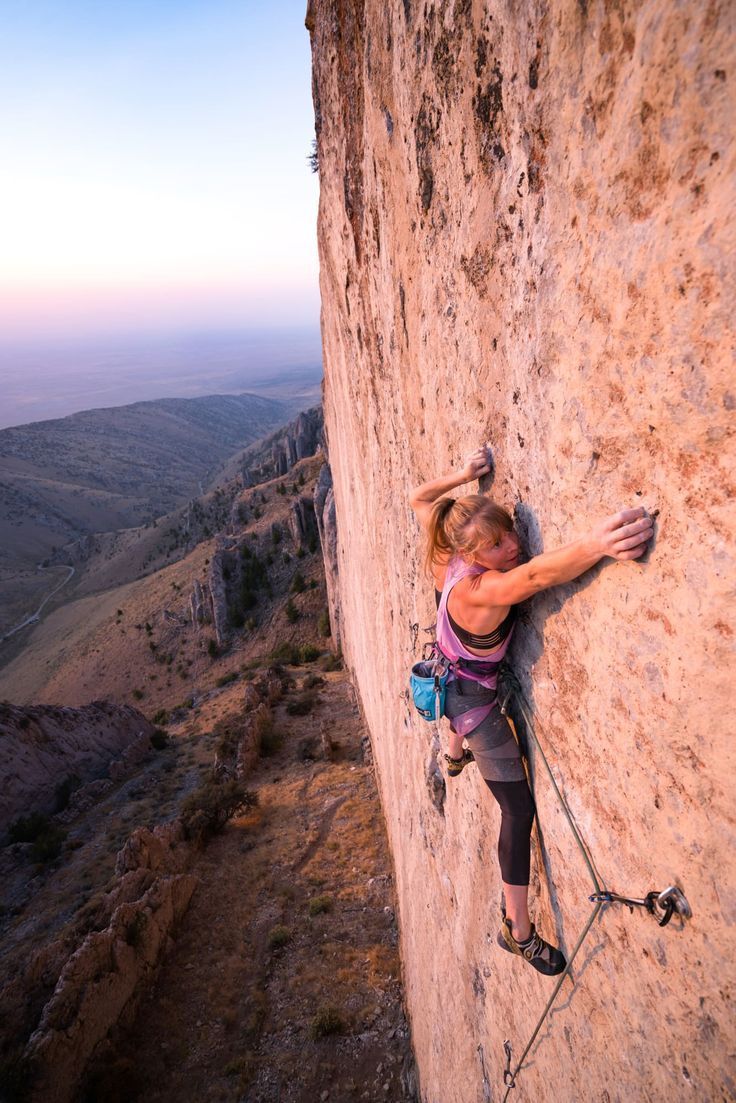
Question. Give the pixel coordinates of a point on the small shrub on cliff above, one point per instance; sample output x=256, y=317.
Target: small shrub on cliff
x=319, y=905
x=270, y=741
x=138, y=694
x=309, y=653
x=328, y=1020
x=159, y=739
x=227, y=678
x=212, y=649
x=28, y=828
x=278, y=937
x=206, y=811
x=48, y=845
x=298, y=585
x=287, y=653
x=292, y=613
x=160, y=717
x=323, y=624
x=64, y=790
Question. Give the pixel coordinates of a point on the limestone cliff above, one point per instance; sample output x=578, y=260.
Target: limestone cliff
x=525, y=237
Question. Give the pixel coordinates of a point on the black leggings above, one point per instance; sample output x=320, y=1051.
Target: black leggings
x=517, y=818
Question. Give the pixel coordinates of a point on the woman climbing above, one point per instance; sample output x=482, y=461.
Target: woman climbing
x=473, y=556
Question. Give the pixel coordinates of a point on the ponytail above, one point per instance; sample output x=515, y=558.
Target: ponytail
x=438, y=542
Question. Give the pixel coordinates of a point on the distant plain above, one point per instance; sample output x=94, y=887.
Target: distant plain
x=42, y=379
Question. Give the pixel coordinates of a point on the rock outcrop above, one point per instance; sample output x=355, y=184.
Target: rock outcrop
x=43, y=746
x=525, y=236
x=104, y=978
x=324, y=509
x=278, y=453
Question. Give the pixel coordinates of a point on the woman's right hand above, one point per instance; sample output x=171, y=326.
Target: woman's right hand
x=624, y=535
x=478, y=463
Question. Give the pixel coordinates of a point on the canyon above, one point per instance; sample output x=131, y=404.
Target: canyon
x=525, y=238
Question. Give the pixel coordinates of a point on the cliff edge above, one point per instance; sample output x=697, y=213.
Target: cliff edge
x=524, y=237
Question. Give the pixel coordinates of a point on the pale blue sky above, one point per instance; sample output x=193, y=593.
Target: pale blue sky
x=154, y=166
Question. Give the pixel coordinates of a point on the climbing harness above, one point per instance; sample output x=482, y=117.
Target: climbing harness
x=662, y=905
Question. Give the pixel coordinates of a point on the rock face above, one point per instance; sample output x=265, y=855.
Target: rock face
x=42, y=746
x=525, y=237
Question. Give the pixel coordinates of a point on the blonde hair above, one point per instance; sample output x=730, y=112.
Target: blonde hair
x=461, y=526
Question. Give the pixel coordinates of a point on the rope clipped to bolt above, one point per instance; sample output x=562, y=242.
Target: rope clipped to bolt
x=662, y=905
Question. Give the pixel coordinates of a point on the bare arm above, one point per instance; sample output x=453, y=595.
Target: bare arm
x=622, y=536
x=423, y=497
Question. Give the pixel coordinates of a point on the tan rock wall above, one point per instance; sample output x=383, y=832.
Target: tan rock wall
x=525, y=236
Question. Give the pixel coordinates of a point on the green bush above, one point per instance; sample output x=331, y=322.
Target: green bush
x=48, y=846
x=319, y=905
x=159, y=739
x=206, y=811
x=212, y=649
x=300, y=552
x=270, y=741
x=26, y=829
x=63, y=792
x=309, y=653
x=323, y=624
x=298, y=585
x=287, y=653
x=278, y=937
x=138, y=694
x=160, y=717
x=292, y=613
x=227, y=678
x=312, y=544
x=328, y=1020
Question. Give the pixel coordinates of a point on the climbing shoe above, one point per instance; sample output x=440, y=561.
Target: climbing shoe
x=456, y=766
x=545, y=958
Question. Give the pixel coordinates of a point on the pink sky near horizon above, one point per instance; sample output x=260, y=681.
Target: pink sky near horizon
x=54, y=311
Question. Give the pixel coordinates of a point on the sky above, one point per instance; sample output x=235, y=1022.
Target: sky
x=154, y=171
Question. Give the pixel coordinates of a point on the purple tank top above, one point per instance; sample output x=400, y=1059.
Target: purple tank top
x=451, y=646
